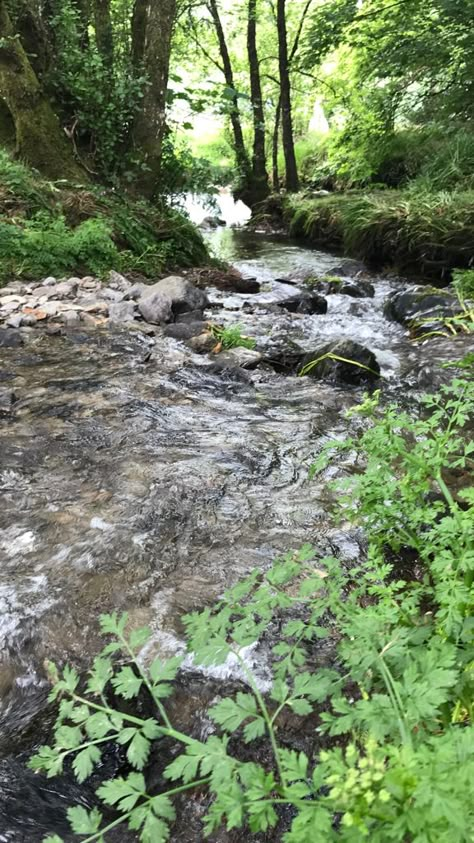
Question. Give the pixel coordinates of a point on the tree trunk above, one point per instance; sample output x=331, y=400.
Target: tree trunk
x=104, y=33
x=39, y=138
x=259, y=161
x=154, y=20
x=139, y=20
x=292, y=182
x=275, y=145
x=242, y=159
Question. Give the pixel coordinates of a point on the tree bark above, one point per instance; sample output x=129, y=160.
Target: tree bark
x=292, y=181
x=275, y=146
x=104, y=33
x=242, y=159
x=154, y=21
x=139, y=20
x=259, y=163
x=39, y=139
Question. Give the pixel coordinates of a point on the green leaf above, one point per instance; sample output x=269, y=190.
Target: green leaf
x=139, y=637
x=185, y=767
x=99, y=725
x=68, y=737
x=138, y=751
x=84, y=822
x=84, y=762
x=230, y=714
x=113, y=624
x=101, y=674
x=154, y=830
x=127, y=684
x=124, y=793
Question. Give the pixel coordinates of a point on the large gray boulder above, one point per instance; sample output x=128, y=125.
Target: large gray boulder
x=122, y=312
x=179, y=292
x=420, y=302
x=155, y=308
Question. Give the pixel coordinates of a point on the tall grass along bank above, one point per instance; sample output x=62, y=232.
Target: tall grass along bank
x=413, y=232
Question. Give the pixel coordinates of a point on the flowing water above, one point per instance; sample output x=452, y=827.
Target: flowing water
x=148, y=483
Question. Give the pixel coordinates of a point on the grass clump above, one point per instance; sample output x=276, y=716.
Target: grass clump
x=394, y=711
x=56, y=228
x=425, y=232
x=232, y=337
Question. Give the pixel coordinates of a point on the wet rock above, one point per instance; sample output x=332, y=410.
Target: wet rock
x=305, y=303
x=101, y=307
x=7, y=399
x=155, y=308
x=348, y=268
x=88, y=283
x=202, y=343
x=71, y=318
x=15, y=320
x=211, y=222
x=357, y=288
x=245, y=286
x=185, y=330
x=9, y=338
x=243, y=358
x=122, y=312
x=419, y=303
x=179, y=292
x=136, y=291
x=11, y=299
x=67, y=288
x=10, y=307
x=119, y=282
x=359, y=364
x=191, y=316
x=91, y=321
x=109, y=294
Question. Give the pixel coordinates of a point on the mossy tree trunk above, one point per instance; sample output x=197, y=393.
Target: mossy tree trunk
x=292, y=181
x=260, y=184
x=151, y=44
x=39, y=139
x=104, y=33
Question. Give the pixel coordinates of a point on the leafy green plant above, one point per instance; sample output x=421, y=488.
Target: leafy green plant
x=46, y=245
x=394, y=713
x=232, y=337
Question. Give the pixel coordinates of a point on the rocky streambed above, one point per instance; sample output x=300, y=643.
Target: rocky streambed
x=142, y=471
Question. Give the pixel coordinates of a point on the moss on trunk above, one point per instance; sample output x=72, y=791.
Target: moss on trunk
x=39, y=139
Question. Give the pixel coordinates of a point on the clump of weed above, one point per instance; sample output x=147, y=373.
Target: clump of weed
x=232, y=337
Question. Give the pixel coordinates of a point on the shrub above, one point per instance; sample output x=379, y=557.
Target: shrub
x=396, y=708
x=45, y=245
x=48, y=228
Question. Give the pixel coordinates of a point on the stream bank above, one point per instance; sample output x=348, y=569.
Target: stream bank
x=139, y=475
x=424, y=235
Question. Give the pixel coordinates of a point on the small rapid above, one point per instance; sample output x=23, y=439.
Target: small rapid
x=136, y=475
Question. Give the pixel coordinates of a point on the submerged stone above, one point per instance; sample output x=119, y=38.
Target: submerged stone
x=345, y=361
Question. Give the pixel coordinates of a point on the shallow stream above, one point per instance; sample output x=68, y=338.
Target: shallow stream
x=147, y=482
